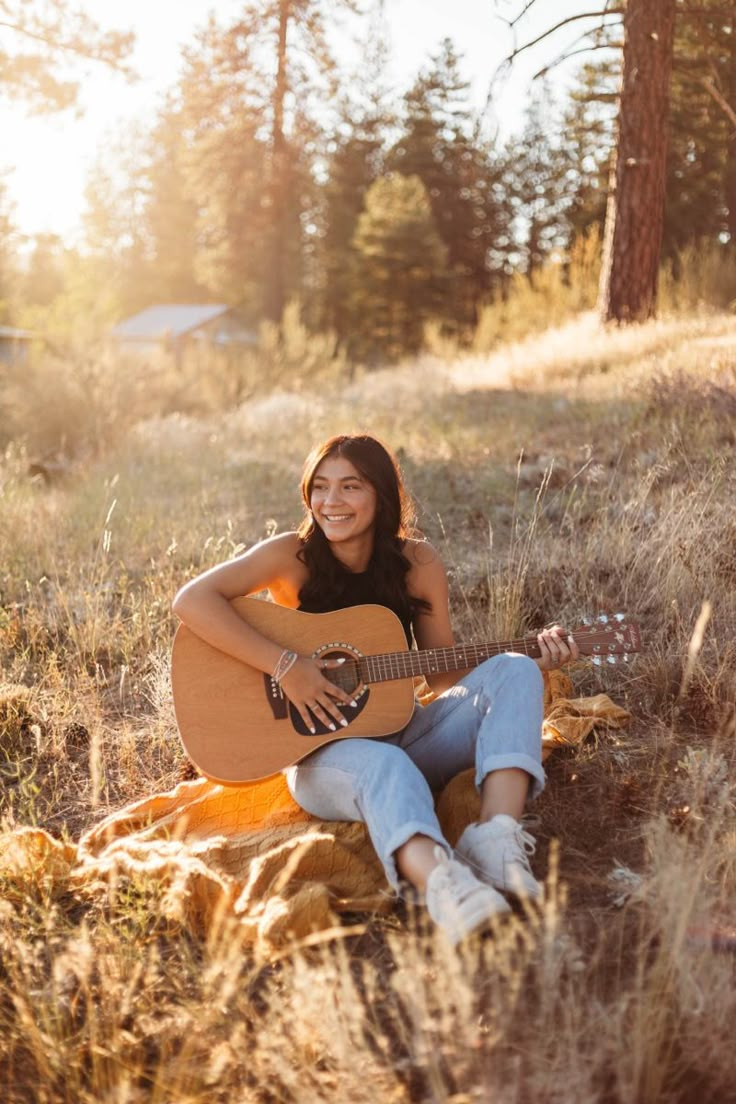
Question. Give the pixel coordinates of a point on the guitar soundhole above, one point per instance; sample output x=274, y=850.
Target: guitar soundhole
x=346, y=677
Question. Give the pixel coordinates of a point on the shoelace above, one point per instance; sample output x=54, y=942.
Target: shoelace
x=525, y=845
x=452, y=872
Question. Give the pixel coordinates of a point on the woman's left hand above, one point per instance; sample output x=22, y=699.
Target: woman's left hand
x=557, y=648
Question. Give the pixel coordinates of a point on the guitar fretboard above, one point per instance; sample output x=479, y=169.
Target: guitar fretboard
x=399, y=665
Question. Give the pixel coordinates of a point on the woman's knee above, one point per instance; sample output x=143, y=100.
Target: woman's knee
x=516, y=667
x=324, y=791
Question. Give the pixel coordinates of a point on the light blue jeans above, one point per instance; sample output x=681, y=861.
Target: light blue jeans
x=491, y=719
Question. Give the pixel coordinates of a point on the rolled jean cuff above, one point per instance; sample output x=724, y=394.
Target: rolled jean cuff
x=514, y=759
x=399, y=838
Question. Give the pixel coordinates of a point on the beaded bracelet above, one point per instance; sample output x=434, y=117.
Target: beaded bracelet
x=286, y=661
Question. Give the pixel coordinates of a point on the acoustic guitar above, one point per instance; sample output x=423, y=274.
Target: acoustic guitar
x=237, y=725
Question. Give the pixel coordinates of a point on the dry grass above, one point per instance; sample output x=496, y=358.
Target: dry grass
x=572, y=473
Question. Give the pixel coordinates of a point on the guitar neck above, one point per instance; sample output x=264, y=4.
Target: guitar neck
x=432, y=661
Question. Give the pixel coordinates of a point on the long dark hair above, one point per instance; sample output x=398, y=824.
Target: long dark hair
x=394, y=522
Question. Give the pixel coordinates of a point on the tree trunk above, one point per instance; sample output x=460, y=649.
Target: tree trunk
x=279, y=185
x=730, y=171
x=634, y=217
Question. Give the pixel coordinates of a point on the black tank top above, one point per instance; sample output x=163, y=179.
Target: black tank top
x=359, y=591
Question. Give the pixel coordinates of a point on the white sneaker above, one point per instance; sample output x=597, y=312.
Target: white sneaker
x=457, y=901
x=498, y=852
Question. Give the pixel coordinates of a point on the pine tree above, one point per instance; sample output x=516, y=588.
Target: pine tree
x=354, y=160
x=587, y=134
x=701, y=157
x=354, y=164
x=701, y=167
x=171, y=215
x=223, y=155
x=442, y=144
x=634, y=217
x=250, y=94
x=400, y=277
x=537, y=179
x=114, y=222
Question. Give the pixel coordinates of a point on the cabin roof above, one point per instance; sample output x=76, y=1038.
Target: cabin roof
x=169, y=320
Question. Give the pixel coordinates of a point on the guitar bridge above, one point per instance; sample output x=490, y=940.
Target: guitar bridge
x=276, y=699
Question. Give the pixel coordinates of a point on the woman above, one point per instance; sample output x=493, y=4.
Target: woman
x=353, y=546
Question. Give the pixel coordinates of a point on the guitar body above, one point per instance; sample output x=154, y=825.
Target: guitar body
x=235, y=724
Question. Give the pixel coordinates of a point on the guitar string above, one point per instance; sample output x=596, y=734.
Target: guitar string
x=394, y=665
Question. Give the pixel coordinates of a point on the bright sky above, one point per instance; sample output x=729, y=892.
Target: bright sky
x=47, y=160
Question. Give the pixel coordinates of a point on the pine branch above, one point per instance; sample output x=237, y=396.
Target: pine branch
x=573, y=53
x=599, y=97
x=709, y=86
x=563, y=23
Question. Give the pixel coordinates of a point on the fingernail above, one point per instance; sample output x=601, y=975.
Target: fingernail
x=344, y=723
x=332, y=728
x=311, y=730
x=354, y=705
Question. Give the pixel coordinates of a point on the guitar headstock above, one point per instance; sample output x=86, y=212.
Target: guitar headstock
x=609, y=638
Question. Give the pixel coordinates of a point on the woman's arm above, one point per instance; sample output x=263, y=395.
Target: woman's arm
x=428, y=580
x=204, y=603
x=204, y=606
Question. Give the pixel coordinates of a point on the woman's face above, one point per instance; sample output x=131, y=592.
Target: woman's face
x=343, y=502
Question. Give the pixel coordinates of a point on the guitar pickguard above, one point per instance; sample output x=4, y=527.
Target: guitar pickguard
x=276, y=698
x=348, y=711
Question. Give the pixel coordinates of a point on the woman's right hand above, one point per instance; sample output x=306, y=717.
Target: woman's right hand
x=310, y=692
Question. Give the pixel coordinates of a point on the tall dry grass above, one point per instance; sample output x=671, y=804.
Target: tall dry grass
x=701, y=279
x=563, y=287
x=571, y=473
x=77, y=395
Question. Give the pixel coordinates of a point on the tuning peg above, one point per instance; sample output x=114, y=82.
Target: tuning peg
x=611, y=659
x=603, y=618
x=619, y=616
x=597, y=661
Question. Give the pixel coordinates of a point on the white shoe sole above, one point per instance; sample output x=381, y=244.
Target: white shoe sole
x=473, y=924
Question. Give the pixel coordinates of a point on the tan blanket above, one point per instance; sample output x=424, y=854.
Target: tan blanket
x=249, y=854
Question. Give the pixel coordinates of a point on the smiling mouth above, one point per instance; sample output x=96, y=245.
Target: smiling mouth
x=337, y=517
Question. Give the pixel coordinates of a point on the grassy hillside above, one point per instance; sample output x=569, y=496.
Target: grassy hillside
x=572, y=473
